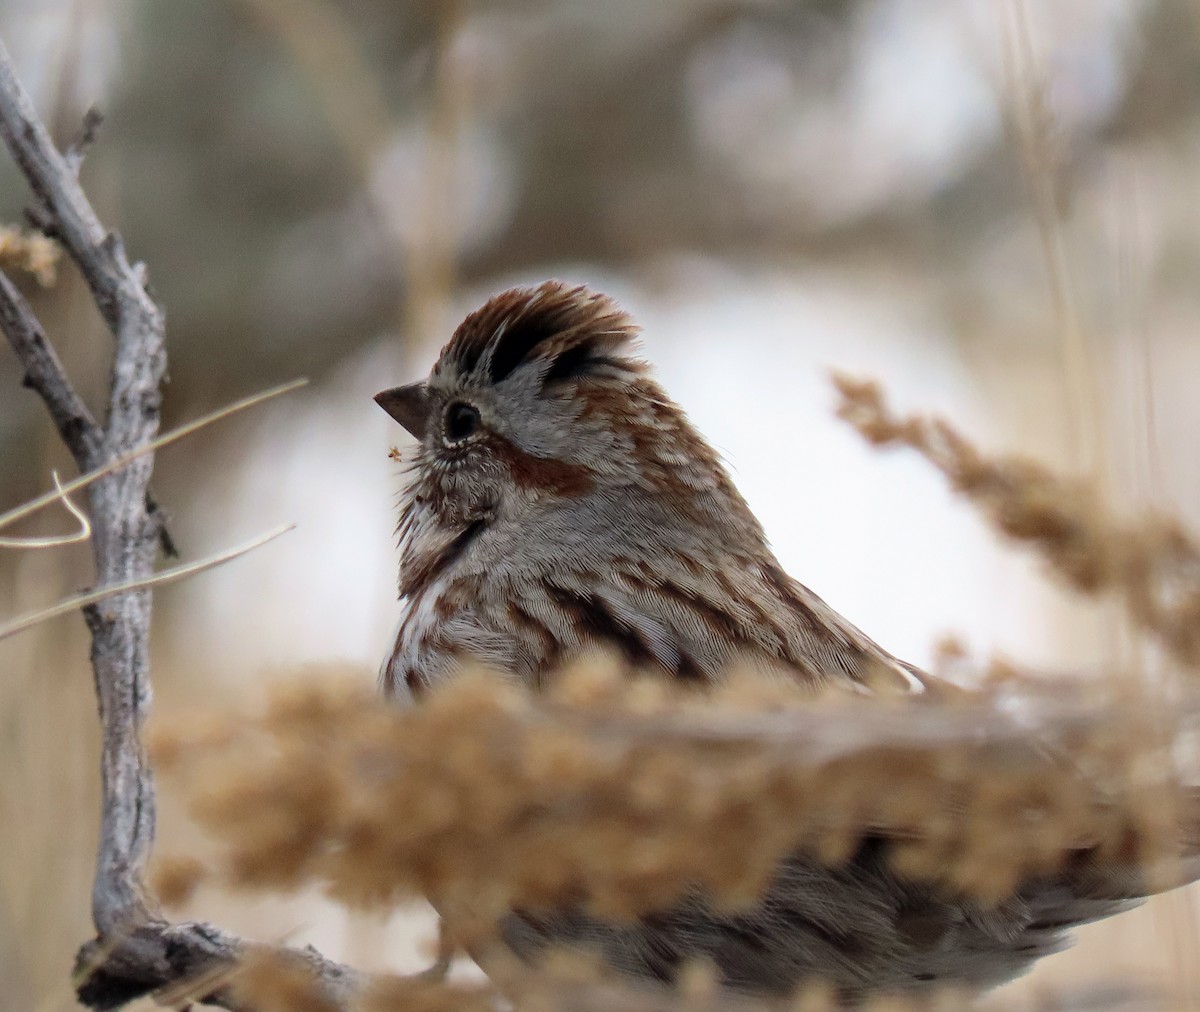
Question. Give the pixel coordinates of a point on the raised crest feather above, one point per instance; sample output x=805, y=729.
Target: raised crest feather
x=568, y=331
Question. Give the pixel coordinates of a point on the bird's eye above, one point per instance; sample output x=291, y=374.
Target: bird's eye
x=461, y=421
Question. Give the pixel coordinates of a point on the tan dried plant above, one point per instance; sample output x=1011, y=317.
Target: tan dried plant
x=31, y=253
x=1153, y=565
x=624, y=795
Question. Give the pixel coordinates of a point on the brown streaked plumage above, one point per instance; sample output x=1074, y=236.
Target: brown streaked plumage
x=559, y=501
x=583, y=510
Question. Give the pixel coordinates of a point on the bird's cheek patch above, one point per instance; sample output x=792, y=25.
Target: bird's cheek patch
x=542, y=474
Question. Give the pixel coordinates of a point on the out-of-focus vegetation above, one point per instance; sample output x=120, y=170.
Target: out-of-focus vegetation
x=308, y=179
x=278, y=163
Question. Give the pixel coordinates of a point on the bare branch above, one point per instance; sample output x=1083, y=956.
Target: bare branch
x=87, y=137
x=182, y=963
x=45, y=375
x=116, y=286
x=125, y=533
x=136, y=952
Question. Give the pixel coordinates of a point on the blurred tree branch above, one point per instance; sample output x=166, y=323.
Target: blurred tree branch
x=587, y=129
x=136, y=950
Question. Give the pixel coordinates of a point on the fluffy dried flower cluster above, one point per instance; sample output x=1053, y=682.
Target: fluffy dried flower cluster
x=1153, y=565
x=621, y=793
x=268, y=982
x=30, y=252
x=486, y=798
x=488, y=793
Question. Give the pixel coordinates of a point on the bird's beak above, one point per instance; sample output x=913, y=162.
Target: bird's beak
x=409, y=405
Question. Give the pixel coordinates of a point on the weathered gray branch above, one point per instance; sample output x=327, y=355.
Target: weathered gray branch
x=45, y=375
x=136, y=951
x=191, y=963
x=125, y=535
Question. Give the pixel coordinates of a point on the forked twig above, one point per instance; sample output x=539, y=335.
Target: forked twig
x=136, y=951
x=45, y=375
x=125, y=531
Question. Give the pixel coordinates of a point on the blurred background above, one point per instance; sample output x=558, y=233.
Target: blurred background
x=989, y=206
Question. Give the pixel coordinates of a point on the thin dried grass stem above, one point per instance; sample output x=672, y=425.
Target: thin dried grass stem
x=58, y=540
x=78, y=601
x=123, y=460
x=1034, y=128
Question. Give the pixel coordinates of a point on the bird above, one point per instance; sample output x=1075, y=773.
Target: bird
x=557, y=502
x=561, y=500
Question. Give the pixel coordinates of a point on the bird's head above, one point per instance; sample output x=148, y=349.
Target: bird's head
x=520, y=405
x=539, y=403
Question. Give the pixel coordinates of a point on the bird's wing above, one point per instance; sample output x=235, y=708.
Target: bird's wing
x=698, y=621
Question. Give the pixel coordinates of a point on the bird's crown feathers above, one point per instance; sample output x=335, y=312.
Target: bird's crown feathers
x=566, y=332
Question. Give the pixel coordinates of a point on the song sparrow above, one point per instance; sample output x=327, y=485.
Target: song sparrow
x=559, y=500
